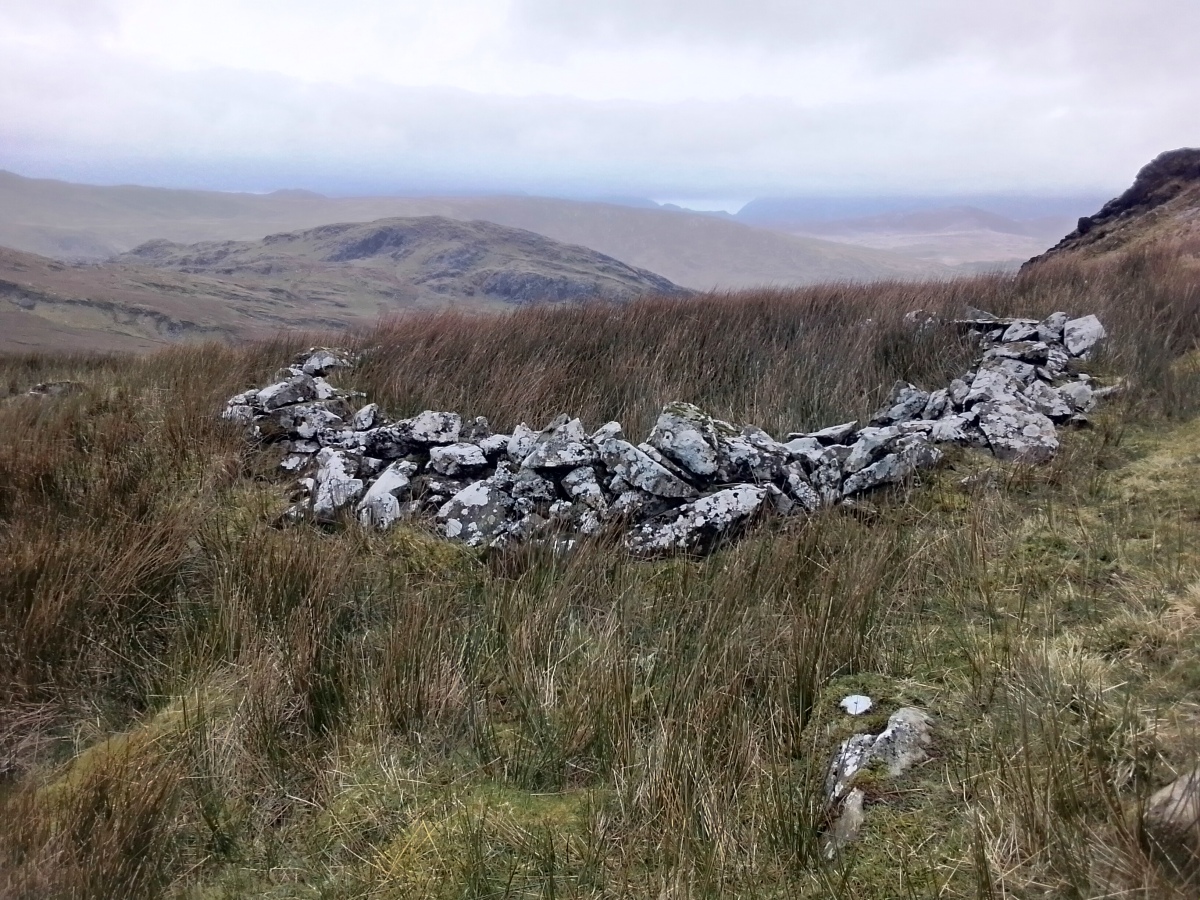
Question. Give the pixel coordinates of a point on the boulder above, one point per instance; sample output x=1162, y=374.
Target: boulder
x=563, y=445
x=640, y=471
x=1081, y=335
x=1018, y=331
x=494, y=446
x=477, y=514
x=893, y=468
x=1171, y=825
x=335, y=484
x=296, y=389
x=318, y=361
x=380, y=505
x=904, y=743
x=456, y=459
x=700, y=524
x=1050, y=329
x=1016, y=433
x=686, y=435
x=1078, y=395
x=432, y=427
x=904, y=403
x=1048, y=401
x=529, y=484
x=1035, y=352
x=871, y=444
x=752, y=455
x=366, y=418
x=520, y=445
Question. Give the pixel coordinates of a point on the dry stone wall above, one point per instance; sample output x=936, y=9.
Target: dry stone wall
x=695, y=480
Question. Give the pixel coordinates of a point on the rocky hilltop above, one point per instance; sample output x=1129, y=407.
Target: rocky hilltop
x=399, y=263
x=1163, y=203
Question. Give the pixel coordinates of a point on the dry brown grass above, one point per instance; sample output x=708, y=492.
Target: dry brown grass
x=197, y=704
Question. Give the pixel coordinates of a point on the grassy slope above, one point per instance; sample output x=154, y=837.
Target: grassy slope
x=200, y=705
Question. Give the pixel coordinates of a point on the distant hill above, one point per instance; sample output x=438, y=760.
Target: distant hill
x=1163, y=204
x=391, y=264
x=86, y=222
x=334, y=276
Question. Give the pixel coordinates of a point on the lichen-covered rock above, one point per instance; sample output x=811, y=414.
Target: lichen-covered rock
x=531, y=485
x=1017, y=434
x=1048, y=401
x=564, y=445
x=1078, y=395
x=456, y=459
x=335, y=484
x=477, y=514
x=380, y=505
x=1171, y=823
x=521, y=444
x=870, y=445
x=319, y=360
x=800, y=489
x=1081, y=335
x=582, y=485
x=994, y=386
x=1034, y=352
x=834, y=434
x=366, y=418
x=296, y=389
x=904, y=743
x=1050, y=329
x=494, y=446
x=432, y=427
x=640, y=471
x=686, y=436
x=752, y=455
x=701, y=523
x=1019, y=331
x=892, y=469
x=904, y=403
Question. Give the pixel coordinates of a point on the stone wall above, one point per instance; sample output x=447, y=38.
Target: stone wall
x=693, y=482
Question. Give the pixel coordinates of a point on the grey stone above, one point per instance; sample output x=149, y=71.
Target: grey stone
x=318, y=361
x=456, y=459
x=1048, y=401
x=531, y=485
x=1035, y=352
x=701, y=523
x=240, y=413
x=687, y=436
x=494, y=446
x=1050, y=329
x=1018, y=331
x=1081, y=335
x=366, y=418
x=959, y=390
x=834, y=434
x=640, y=471
x=380, y=505
x=296, y=389
x=582, y=485
x=991, y=385
x=904, y=403
x=871, y=444
x=799, y=489
x=893, y=468
x=335, y=486
x=520, y=445
x=904, y=743
x=938, y=405
x=1021, y=372
x=477, y=514
x=1017, y=434
x=1171, y=823
x=562, y=445
x=433, y=427
x=1077, y=395
x=950, y=430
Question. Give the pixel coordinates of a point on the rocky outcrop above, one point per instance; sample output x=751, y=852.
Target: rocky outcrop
x=1166, y=192
x=695, y=482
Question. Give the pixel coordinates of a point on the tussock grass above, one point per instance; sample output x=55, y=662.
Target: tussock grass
x=196, y=703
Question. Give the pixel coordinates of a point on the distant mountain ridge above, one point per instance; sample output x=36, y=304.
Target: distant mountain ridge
x=411, y=262
x=701, y=252
x=330, y=277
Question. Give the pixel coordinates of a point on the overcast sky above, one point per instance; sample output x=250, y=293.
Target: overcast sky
x=662, y=98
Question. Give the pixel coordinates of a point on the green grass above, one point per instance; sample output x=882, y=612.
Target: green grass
x=197, y=703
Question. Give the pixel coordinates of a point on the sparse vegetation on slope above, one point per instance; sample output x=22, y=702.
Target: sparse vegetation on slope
x=197, y=703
